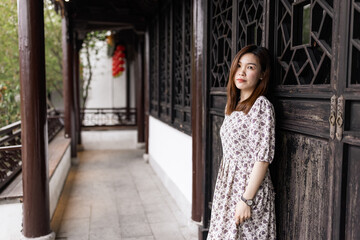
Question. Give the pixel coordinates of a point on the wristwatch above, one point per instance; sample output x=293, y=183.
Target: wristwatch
x=248, y=202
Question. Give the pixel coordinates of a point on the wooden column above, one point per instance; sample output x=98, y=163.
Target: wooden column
x=197, y=111
x=146, y=88
x=139, y=66
x=77, y=91
x=128, y=89
x=68, y=84
x=36, y=217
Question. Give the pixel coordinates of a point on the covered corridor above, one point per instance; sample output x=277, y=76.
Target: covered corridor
x=115, y=194
x=179, y=56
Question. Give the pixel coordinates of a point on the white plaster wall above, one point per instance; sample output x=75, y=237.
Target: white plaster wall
x=58, y=179
x=132, y=85
x=106, y=90
x=107, y=140
x=11, y=212
x=10, y=221
x=170, y=155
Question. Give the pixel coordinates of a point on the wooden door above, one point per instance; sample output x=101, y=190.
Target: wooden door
x=316, y=49
x=348, y=124
x=305, y=51
x=317, y=104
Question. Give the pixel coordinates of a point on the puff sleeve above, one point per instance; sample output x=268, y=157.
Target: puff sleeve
x=262, y=130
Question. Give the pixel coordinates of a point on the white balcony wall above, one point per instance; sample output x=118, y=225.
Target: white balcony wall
x=170, y=155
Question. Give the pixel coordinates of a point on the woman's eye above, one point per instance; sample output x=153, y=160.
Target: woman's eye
x=250, y=67
x=238, y=65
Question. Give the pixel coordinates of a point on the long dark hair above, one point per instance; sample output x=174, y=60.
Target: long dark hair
x=233, y=93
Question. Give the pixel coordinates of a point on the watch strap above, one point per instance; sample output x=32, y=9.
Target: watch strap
x=248, y=202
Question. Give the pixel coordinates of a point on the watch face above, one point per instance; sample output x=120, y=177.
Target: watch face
x=250, y=202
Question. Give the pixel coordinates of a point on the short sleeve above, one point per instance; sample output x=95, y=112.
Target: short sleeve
x=262, y=130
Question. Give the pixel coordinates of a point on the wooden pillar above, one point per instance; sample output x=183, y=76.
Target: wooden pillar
x=128, y=94
x=197, y=117
x=68, y=84
x=146, y=88
x=140, y=98
x=77, y=91
x=35, y=180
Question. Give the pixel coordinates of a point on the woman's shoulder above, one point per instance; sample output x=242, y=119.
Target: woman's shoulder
x=262, y=104
x=263, y=101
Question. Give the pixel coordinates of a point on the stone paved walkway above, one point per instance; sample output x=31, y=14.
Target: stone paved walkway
x=114, y=194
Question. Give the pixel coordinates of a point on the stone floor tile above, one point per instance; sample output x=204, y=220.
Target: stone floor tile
x=132, y=219
x=116, y=195
x=74, y=227
x=180, y=218
x=189, y=234
x=136, y=230
x=77, y=211
x=161, y=186
x=76, y=237
x=153, y=197
x=146, y=186
x=105, y=234
x=164, y=231
x=140, y=238
x=171, y=203
x=130, y=207
x=105, y=222
x=123, y=193
x=157, y=213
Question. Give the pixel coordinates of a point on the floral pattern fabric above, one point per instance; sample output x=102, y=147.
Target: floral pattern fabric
x=246, y=138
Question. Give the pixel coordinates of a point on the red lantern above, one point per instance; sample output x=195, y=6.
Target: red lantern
x=118, y=61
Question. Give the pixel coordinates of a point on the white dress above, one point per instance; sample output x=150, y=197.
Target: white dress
x=246, y=138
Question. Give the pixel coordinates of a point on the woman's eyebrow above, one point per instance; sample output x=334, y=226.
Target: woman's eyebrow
x=248, y=63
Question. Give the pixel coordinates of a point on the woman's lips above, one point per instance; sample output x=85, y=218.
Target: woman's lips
x=240, y=80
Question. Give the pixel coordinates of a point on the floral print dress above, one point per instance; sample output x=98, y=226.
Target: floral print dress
x=246, y=138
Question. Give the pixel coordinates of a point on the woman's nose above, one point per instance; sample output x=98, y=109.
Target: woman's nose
x=242, y=72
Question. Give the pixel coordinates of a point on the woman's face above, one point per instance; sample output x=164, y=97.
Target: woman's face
x=248, y=74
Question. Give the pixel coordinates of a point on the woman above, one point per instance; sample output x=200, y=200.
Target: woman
x=243, y=203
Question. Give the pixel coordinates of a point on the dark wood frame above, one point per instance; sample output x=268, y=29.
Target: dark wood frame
x=165, y=111
x=36, y=215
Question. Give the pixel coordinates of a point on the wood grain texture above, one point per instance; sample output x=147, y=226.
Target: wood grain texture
x=302, y=179
x=352, y=186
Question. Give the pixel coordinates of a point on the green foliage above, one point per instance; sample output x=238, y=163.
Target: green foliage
x=89, y=47
x=9, y=58
x=9, y=63
x=53, y=50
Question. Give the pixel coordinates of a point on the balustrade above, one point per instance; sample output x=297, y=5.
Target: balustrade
x=94, y=117
x=10, y=146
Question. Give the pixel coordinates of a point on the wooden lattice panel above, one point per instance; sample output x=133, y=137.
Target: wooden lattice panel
x=220, y=42
x=250, y=22
x=304, y=42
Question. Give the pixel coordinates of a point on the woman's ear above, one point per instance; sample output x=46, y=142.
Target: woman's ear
x=261, y=75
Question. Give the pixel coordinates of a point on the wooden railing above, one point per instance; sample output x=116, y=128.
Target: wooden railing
x=104, y=117
x=10, y=146
x=10, y=152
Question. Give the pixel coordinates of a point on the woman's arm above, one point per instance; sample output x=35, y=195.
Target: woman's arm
x=243, y=211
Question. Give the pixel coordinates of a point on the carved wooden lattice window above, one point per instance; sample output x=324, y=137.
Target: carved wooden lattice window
x=354, y=54
x=170, y=58
x=249, y=30
x=250, y=23
x=165, y=63
x=304, y=40
x=182, y=64
x=153, y=35
x=220, y=42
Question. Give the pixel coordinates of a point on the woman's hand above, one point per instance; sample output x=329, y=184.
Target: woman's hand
x=242, y=212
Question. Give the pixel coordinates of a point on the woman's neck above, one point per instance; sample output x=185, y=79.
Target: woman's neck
x=244, y=95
